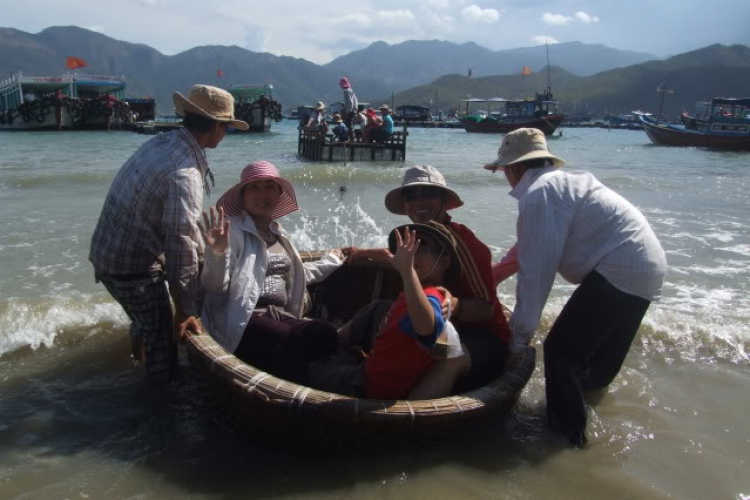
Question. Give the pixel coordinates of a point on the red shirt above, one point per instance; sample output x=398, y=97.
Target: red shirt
x=476, y=280
x=398, y=359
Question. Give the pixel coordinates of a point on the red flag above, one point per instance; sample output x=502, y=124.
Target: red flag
x=219, y=72
x=75, y=62
x=525, y=71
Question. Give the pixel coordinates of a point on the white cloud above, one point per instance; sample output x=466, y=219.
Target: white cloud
x=475, y=13
x=556, y=19
x=582, y=16
x=395, y=15
x=542, y=39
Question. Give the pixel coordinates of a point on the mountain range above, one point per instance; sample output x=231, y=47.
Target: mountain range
x=699, y=75
x=589, y=75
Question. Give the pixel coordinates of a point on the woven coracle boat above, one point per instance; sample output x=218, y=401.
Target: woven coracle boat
x=248, y=399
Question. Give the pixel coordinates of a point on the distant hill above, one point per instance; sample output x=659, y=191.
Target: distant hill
x=149, y=72
x=416, y=62
x=697, y=75
x=713, y=71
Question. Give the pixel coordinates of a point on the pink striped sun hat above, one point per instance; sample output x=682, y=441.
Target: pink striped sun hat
x=259, y=171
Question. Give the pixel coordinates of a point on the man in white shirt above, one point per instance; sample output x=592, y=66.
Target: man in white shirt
x=569, y=222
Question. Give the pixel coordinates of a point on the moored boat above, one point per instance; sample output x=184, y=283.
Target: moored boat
x=540, y=112
x=254, y=104
x=63, y=102
x=723, y=124
x=253, y=400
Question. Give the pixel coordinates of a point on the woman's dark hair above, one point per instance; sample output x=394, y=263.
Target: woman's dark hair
x=197, y=123
x=538, y=163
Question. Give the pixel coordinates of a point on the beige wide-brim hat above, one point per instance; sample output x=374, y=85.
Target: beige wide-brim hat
x=421, y=175
x=320, y=106
x=522, y=145
x=385, y=108
x=209, y=102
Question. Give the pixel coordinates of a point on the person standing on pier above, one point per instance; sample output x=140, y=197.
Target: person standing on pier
x=351, y=104
x=146, y=244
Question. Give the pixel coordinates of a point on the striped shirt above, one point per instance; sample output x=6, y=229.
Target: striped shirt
x=569, y=222
x=149, y=218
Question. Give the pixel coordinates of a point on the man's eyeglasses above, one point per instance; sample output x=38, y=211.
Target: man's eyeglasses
x=412, y=193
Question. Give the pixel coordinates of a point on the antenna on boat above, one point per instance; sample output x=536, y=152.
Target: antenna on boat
x=549, y=78
x=662, y=90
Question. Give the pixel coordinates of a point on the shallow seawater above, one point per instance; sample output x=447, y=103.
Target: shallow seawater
x=77, y=421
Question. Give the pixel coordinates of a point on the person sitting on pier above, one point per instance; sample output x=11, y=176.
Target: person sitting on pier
x=384, y=132
x=255, y=280
x=316, y=119
x=361, y=122
x=374, y=122
x=340, y=132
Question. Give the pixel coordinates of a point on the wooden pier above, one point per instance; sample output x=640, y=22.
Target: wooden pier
x=317, y=145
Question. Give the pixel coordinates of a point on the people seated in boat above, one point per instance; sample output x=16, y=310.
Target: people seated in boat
x=415, y=353
x=477, y=312
x=384, y=132
x=255, y=280
x=339, y=130
x=317, y=119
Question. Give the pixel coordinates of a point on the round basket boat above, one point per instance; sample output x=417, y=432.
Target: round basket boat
x=255, y=401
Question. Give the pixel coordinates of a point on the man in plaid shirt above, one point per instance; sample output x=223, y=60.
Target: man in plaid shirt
x=147, y=234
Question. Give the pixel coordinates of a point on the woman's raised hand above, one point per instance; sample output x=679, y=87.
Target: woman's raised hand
x=215, y=230
x=406, y=249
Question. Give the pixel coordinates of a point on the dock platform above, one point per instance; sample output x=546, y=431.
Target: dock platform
x=317, y=145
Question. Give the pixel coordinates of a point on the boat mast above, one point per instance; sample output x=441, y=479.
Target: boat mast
x=549, y=78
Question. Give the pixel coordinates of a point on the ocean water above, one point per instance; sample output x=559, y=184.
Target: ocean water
x=77, y=421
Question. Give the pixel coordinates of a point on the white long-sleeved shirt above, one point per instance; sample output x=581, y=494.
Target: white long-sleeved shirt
x=569, y=222
x=233, y=280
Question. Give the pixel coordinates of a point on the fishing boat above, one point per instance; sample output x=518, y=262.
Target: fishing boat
x=248, y=399
x=540, y=112
x=254, y=104
x=722, y=123
x=63, y=102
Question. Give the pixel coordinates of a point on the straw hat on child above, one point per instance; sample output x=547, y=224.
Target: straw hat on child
x=421, y=175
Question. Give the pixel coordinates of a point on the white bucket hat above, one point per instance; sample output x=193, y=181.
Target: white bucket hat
x=421, y=175
x=209, y=102
x=522, y=145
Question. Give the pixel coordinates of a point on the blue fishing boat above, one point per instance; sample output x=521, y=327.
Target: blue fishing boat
x=722, y=123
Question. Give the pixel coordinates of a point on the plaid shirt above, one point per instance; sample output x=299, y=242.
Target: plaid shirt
x=149, y=220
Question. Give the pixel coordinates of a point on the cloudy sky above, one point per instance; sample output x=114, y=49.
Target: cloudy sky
x=319, y=31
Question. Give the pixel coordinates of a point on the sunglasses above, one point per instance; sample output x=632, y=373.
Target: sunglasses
x=412, y=193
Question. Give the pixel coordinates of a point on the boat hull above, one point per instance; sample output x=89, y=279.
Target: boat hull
x=671, y=135
x=56, y=119
x=547, y=124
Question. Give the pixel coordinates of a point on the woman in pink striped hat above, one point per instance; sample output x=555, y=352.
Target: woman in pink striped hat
x=255, y=280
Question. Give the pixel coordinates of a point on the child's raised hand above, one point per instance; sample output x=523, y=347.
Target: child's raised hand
x=406, y=248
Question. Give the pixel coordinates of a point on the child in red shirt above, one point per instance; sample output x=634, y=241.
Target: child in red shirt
x=425, y=256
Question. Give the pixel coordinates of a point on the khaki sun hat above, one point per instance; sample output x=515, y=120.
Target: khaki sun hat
x=336, y=118
x=209, y=102
x=320, y=106
x=384, y=107
x=522, y=145
x=421, y=175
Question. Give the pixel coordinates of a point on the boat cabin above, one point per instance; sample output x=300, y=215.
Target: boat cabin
x=249, y=93
x=412, y=113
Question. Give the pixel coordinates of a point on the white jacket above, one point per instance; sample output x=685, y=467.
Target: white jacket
x=233, y=280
